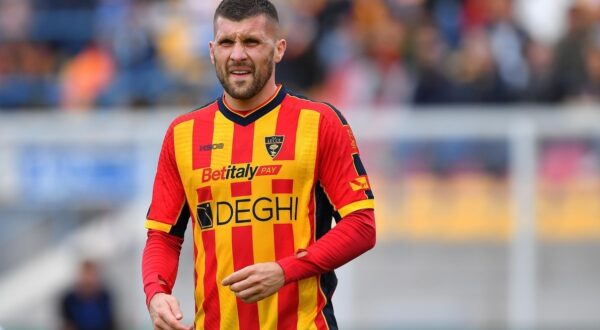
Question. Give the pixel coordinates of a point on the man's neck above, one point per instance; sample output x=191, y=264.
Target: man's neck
x=251, y=104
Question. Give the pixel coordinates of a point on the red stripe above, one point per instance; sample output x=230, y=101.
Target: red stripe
x=195, y=268
x=203, y=138
x=320, y=321
x=242, y=144
x=311, y=216
x=287, y=125
x=287, y=299
x=282, y=186
x=204, y=194
x=241, y=189
x=243, y=255
x=211, y=294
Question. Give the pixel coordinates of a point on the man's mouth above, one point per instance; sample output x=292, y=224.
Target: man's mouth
x=240, y=72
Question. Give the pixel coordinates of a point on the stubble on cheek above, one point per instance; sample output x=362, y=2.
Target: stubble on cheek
x=252, y=85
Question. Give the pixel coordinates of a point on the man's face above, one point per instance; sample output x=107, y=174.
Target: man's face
x=244, y=54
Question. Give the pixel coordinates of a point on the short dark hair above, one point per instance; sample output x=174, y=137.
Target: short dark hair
x=237, y=10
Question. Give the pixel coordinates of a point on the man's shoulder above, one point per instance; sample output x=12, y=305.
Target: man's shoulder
x=325, y=109
x=198, y=112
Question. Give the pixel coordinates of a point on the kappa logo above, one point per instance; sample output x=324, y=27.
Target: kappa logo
x=209, y=147
x=274, y=144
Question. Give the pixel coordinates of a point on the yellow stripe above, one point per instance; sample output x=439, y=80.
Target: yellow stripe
x=307, y=309
x=306, y=153
x=157, y=225
x=223, y=133
x=304, y=171
x=262, y=232
x=360, y=205
x=182, y=139
x=199, y=264
x=359, y=183
x=183, y=136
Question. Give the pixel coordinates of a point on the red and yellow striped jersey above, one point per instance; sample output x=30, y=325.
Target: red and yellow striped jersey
x=258, y=187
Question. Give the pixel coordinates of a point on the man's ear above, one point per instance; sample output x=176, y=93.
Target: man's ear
x=280, y=46
x=211, y=45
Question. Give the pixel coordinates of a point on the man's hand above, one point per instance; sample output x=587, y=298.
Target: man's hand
x=256, y=282
x=165, y=313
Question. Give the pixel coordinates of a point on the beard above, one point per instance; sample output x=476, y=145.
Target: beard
x=244, y=90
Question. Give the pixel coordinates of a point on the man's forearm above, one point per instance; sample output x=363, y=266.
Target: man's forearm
x=159, y=263
x=351, y=237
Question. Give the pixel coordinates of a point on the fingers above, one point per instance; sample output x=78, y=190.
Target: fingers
x=175, y=310
x=250, y=295
x=243, y=288
x=166, y=313
x=256, y=282
x=237, y=276
x=160, y=324
x=173, y=322
x=166, y=322
x=243, y=285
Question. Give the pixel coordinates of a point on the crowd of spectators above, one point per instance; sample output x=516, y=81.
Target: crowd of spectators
x=85, y=54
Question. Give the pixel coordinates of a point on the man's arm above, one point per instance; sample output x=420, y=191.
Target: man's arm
x=159, y=271
x=345, y=182
x=351, y=237
x=166, y=222
x=160, y=262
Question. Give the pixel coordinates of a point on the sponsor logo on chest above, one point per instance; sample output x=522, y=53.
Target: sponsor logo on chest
x=230, y=172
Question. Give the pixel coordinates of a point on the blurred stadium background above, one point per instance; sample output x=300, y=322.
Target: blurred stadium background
x=478, y=121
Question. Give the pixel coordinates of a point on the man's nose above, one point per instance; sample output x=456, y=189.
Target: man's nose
x=238, y=53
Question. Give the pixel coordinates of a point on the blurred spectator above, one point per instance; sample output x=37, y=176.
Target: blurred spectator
x=507, y=42
x=474, y=71
x=540, y=87
x=301, y=68
x=569, y=68
x=85, y=77
x=15, y=19
x=374, y=73
x=26, y=75
x=351, y=52
x=432, y=84
x=590, y=88
x=132, y=40
x=87, y=305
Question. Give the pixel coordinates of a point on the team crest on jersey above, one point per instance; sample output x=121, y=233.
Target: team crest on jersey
x=274, y=144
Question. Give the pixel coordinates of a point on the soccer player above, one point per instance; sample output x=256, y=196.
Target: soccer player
x=262, y=173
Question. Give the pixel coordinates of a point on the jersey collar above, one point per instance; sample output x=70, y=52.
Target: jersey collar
x=254, y=114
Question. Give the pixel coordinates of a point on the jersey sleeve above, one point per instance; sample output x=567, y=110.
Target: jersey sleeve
x=347, y=240
x=168, y=210
x=340, y=169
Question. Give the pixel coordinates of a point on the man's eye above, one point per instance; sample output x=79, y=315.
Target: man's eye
x=251, y=42
x=225, y=42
